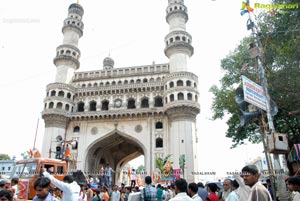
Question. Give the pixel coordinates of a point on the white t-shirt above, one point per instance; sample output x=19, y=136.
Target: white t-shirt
x=296, y=197
x=132, y=175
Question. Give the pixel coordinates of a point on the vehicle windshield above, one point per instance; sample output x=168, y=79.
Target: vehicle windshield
x=24, y=170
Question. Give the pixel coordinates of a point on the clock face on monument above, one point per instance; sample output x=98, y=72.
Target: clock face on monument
x=118, y=103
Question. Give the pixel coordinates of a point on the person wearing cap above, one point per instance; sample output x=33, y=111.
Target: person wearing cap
x=5, y=184
x=258, y=191
x=149, y=192
x=233, y=196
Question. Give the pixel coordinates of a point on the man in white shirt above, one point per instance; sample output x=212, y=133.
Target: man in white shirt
x=180, y=190
x=69, y=186
x=293, y=184
x=192, y=191
x=115, y=195
x=233, y=194
x=258, y=191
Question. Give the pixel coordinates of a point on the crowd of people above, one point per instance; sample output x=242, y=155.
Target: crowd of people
x=244, y=187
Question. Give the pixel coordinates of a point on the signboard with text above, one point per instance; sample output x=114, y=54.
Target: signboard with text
x=254, y=93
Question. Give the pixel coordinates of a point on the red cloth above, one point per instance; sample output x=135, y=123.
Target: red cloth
x=212, y=197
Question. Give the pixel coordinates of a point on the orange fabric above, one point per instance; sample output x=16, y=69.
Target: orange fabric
x=68, y=152
x=37, y=154
x=128, y=173
x=105, y=196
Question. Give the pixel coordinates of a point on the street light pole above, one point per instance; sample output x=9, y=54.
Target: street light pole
x=281, y=187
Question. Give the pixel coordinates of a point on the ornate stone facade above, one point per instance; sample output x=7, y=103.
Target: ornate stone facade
x=118, y=114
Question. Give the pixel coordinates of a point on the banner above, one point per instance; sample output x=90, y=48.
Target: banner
x=23, y=186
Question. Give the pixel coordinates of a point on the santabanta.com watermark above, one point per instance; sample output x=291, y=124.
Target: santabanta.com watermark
x=20, y=20
x=276, y=6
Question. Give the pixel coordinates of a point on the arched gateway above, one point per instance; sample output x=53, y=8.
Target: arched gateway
x=118, y=114
x=115, y=148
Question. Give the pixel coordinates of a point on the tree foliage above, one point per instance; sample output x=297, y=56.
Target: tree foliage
x=4, y=157
x=279, y=33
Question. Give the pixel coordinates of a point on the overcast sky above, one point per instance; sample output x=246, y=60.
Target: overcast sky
x=133, y=33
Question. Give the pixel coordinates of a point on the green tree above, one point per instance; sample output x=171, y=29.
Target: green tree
x=182, y=163
x=280, y=42
x=4, y=157
x=140, y=169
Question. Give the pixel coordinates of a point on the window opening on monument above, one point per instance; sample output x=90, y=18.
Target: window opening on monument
x=76, y=129
x=180, y=96
x=171, y=84
x=93, y=106
x=59, y=105
x=179, y=83
x=61, y=93
x=188, y=83
x=172, y=97
x=53, y=93
x=158, y=102
x=145, y=103
x=159, y=125
x=80, y=107
x=145, y=80
x=131, y=104
x=69, y=95
x=159, y=142
x=105, y=105
x=67, y=107
x=190, y=96
x=138, y=81
x=51, y=104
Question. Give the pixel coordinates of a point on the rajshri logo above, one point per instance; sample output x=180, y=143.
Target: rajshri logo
x=276, y=6
x=246, y=8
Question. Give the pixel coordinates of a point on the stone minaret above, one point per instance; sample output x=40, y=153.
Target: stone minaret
x=59, y=101
x=181, y=94
x=67, y=54
x=178, y=41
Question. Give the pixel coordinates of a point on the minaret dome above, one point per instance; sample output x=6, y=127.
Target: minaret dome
x=108, y=63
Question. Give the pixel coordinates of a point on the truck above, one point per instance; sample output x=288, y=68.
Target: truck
x=28, y=171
